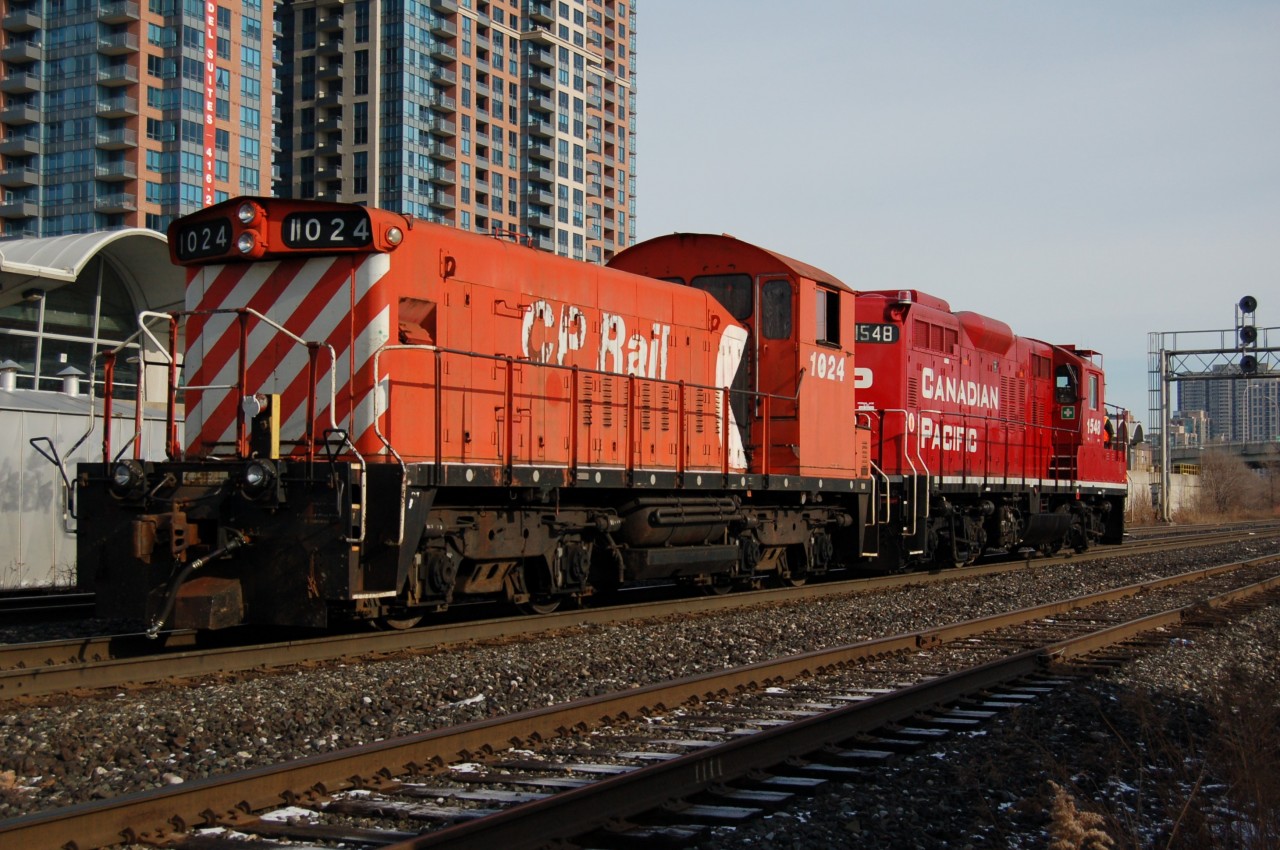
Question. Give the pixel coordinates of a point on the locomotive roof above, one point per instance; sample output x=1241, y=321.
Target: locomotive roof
x=732, y=243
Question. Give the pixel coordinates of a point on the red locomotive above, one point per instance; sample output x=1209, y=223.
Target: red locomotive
x=982, y=440
x=385, y=417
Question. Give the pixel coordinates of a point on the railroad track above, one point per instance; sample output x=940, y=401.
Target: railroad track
x=28, y=606
x=663, y=760
x=54, y=667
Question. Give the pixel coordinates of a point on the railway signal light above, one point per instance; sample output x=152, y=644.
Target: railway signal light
x=1247, y=334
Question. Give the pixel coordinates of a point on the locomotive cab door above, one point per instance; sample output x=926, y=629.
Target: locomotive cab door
x=766, y=306
x=775, y=342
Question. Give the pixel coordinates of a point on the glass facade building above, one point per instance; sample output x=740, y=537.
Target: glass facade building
x=511, y=116
x=121, y=113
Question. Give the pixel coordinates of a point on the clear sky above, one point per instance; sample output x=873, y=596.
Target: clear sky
x=1086, y=171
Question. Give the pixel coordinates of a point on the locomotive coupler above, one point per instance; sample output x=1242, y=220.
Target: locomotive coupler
x=235, y=540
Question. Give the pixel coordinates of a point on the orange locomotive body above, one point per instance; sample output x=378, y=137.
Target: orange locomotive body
x=385, y=417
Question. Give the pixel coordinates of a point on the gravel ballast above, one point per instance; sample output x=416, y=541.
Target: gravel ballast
x=70, y=750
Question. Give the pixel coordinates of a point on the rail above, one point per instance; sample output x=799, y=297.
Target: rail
x=154, y=817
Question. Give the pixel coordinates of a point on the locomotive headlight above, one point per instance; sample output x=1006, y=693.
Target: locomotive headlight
x=245, y=243
x=394, y=236
x=128, y=479
x=247, y=213
x=259, y=476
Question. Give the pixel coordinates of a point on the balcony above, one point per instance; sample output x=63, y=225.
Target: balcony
x=439, y=150
x=119, y=44
x=116, y=140
x=21, y=51
x=114, y=172
x=20, y=83
x=18, y=114
x=540, y=101
x=118, y=13
x=331, y=22
x=19, y=177
x=118, y=75
x=539, y=196
x=443, y=127
x=541, y=12
x=443, y=28
x=21, y=21
x=19, y=145
x=328, y=173
x=329, y=45
x=545, y=81
x=538, y=219
x=121, y=202
x=19, y=209
x=441, y=199
x=443, y=103
x=538, y=127
x=540, y=151
x=538, y=172
x=328, y=146
x=539, y=56
x=117, y=107
x=444, y=6
x=444, y=77
x=329, y=70
x=443, y=52
x=442, y=175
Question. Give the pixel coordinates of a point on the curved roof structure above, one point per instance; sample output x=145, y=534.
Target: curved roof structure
x=55, y=261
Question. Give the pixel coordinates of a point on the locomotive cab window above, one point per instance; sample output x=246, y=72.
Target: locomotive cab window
x=1093, y=392
x=733, y=291
x=827, y=325
x=1065, y=385
x=775, y=309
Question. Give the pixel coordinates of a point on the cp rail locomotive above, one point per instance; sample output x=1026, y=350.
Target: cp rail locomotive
x=375, y=417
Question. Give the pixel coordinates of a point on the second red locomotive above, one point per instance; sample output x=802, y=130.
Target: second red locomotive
x=385, y=417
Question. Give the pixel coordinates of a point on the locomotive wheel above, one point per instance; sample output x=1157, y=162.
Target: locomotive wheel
x=394, y=624
x=541, y=605
x=718, y=586
x=796, y=580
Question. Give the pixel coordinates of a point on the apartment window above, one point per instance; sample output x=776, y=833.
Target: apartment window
x=252, y=57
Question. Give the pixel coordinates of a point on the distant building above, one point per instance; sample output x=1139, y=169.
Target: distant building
x=1232, y=411
x=492, y=115
x=120, y=114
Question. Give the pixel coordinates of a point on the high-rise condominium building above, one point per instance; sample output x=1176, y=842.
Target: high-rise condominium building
x=119, y=113
x=491, y=115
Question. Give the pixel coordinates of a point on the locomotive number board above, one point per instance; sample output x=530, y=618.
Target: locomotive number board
x=877, y=333
x=327, y=229
x=210, y=237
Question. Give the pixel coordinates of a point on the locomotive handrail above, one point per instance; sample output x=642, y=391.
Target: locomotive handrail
x=575, y=370
x=915, y=473
x=887, y=498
